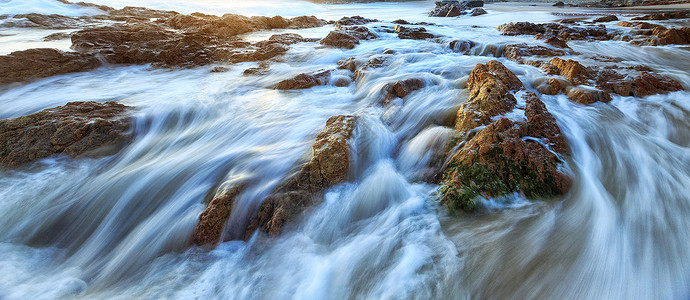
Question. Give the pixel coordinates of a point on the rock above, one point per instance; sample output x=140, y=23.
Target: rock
x=219, y=69
x=52, y=21
x=518, y=28
x=678, y=36
x=461, y=46
x=347, y=37
x=625, y=24
x=613, y=82
x=305, y=81
x=608, y=18
x=329, y=165
x=588, y=96
x=551, y=86
x=350, y=64
x=209, y=228
x=516, y=52
x=374, y=62
x=490, y=85
x=355, y=20
x=38, y=63
x=75, y=129
x=506, y=157
x=401, y=22
x=664, y=16
x=554, y=29
x=260, y=69
x=570, y=69
x=57, y=36
x=401, y=88
x=559, y=4
x=650, y=84
x=556, y=42
x=412, y=33
x=448, y=10
x=478, y=12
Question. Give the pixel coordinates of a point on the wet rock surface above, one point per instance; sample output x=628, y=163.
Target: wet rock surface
x=418, y=33
x=401, y=88
x=209, y=228
x=305, y=81
x=75, y=129
x=561, y=31
x=328, y=166
x=347, y=37
x=516, y=52
x=38, y=63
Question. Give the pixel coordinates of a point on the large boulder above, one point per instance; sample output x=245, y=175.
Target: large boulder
x=75, y=129
x=38, y=63
x=507, y=157
x=329, y=165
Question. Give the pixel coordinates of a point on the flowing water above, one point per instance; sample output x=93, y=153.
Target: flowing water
x=118, y=227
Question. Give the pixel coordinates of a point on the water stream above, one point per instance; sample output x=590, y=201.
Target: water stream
x=117, y=227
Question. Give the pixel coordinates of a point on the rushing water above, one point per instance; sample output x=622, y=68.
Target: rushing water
x=118, y=227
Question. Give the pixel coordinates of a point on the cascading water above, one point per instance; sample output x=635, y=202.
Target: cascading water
x=118, y=227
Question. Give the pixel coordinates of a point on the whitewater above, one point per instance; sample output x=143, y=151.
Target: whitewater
x=118, y=227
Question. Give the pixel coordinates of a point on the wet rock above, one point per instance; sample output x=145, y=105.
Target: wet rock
x=347, y=37
x=490, y=85
x=473, y=3
x=401, y=88
x=559, y=4
x=38, y=63
x=613, y=82
x=374, y=62
x=461, y=46
x=448, y=10
x=209, y=228
x=75, y=129
x=587, y=96
x=219, y=69
x=478, y=12
x=551, y=86
x=651, y=84
x=305, y=81
x=329, y=165
x=554, y=29
x=355, y=20
x=678, y=36
x=507, y=157
x=260, y=69
x=570, y=69
x=609, y=18
x=351, y=64
x=516, y=52
x=412, y=33
x=52, y=21
x=518, y=28
x=57, y=36
x=664, y=16
x=556, y=42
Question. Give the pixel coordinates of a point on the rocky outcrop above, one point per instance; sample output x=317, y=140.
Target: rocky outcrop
x=587, y=96
x=677, y=36
x=347, y=37
x=75, y=129
x=506, y=157
x=570, y=69
x=38, y=63
x=490, y=87
x=664, y=16
x=448, y=10
x=305, y=81
x=209, y=228
x=329, y=165
x=651, y=84
x=561, y=31
x=411, y=33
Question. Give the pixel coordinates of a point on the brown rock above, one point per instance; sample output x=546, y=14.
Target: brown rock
x=609, y=18
x=52, y=21
x=348, y=37
x=76, y=129
x=373, y=63
x=478, y=12
x=209, y=228
x=461, y=46
x=650, y=84
x=612, y=82
x=516, y=52
x=329, y=166
x=401, y=88
x=518, y=28
x=556, y=42
x=490, y=85
x=551, y=86
x=305, y=81
x=37, y=63
x=354, y=20
x=588, y=96
x=412, y=33
x=572, y=70
x=679, y=36
x=664, y=16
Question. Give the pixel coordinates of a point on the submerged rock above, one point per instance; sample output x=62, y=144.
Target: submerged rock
x=329, y=165
x=401, y=88
x=75, y=129
x=38, y=63
x=209, y=228
x=461, y=46
x=304, y=81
